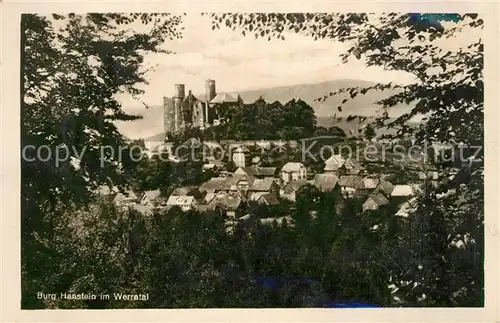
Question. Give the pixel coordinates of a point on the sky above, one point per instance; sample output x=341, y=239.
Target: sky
x=239, y=62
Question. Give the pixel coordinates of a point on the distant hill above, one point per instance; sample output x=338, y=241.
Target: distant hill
x=352, y=127
x=152, y=122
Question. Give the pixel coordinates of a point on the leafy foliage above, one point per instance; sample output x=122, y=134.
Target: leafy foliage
x=447, y=92
x=72, y=67
x=261, y=120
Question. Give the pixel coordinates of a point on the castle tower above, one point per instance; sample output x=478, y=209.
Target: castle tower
x=172, y=116
x=179, y=96
x=168, y=117
x=210, y=90
x=210, y=93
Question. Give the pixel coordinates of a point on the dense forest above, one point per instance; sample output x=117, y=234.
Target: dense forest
x=73, y=242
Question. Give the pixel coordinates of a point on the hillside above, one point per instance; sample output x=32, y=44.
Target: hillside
x=152, y=122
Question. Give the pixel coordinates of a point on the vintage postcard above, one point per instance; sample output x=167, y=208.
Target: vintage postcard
x=289, y=161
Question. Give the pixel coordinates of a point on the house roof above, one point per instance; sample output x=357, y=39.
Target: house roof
x=262, y=184
x=325, y=182
x=385, y=186
x=152, y=195
x=292, y=167
x=223, y=98
x=127, y=196
x=406, y=190
x=254, y=196
x=334, y=163
x=209, y=197
x=294, y=186
x=213, y=184
x=190, y=98
x=351, y=181
x=257, y=171
x=242, y=171
x=180, y=200
x=265, y=171
x=268, y=199
x=378, y=198
x=349, y=164
x=403, y=190
x=371, y=183
x=231, y=183
x=229, y=203
x=183, y=191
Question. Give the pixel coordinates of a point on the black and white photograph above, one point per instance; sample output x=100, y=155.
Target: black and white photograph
x=251, y=160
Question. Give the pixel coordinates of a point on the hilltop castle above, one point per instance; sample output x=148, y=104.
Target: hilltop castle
x=186, y=111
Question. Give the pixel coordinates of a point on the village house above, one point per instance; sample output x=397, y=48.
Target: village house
x=326, y=182
x=384, y=187
x=213, y=185
x=374, y=202
x=403, y=191
x=368, y=187
x=239, y=183
x=233, y=207
x=255, y=171
x=353, y=168
x=267, y=185
x=290, y=189
x=186, y=203
x=350, y=184
x=268, y=199
x=240, y=157
x=151, y=198
x=190, y=190
x=208, y=198
x=334, y=164
x=370, y=183
x=293, y=171
x=340, y=166
x=124, y=199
